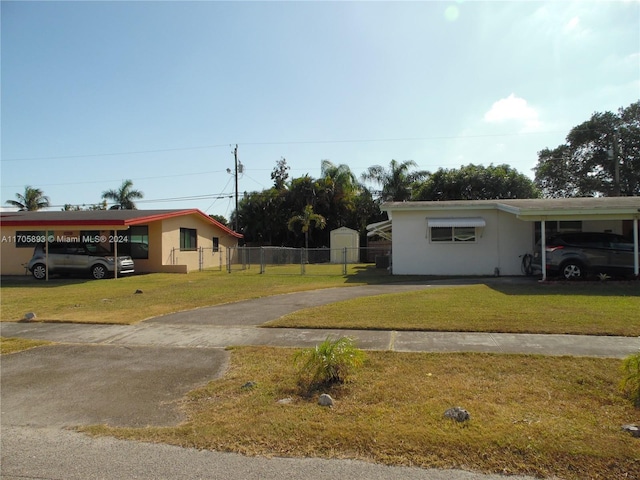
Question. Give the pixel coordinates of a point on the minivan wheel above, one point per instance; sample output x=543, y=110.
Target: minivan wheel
x=39, y=271
x=99, y=272
x=572, y=270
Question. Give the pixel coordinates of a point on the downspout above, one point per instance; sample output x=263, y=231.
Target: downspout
x=543, y=248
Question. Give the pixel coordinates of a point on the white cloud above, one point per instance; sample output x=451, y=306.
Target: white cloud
x=513, y=108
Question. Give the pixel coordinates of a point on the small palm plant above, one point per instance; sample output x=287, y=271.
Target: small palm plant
x=329, y=362
x=630, y=383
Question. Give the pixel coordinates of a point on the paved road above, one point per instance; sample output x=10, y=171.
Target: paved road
x=136, y=375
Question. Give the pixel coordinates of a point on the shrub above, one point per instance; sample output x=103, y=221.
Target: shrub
x=329, y=362
x=630, y=383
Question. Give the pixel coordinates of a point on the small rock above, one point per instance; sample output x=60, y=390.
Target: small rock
x=249, y=385
x=285, y=401
x=325, y=400
x=458, y=414
x=29, y=316
x=634, y=430
x=138, y=292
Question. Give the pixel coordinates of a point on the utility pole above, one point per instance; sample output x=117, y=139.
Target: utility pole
x=235, y=156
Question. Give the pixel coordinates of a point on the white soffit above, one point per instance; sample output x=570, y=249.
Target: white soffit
x=456, y=222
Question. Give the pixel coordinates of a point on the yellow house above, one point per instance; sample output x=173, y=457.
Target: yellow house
x=177, y=241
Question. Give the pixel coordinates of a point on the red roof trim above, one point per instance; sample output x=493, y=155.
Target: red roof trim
x=179, y=213
x=117, y=223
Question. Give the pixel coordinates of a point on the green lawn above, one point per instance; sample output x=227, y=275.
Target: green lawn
x=591, y=309
x=115, y=300
x=607, y=308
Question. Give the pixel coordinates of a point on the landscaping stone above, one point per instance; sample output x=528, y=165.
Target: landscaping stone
x=249, y=385
x=634, y=430
x=29, y=316
x=458, y=414
x=325, y=400
x=285, y=401
x=138, y=291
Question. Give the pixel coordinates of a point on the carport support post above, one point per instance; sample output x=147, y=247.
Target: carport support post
x=543, y=248
x=115, y=254
x=46, y=255
x=635, y=248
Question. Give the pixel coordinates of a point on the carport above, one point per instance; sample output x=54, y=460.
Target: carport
x=45, y=228
x=578, y=209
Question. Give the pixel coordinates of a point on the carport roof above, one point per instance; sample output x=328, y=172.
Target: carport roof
x=533, y=209
x=105, y=218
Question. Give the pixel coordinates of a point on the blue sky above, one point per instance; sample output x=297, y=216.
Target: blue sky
x=160, y=92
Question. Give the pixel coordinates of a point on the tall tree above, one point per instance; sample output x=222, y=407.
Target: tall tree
x=340, y=188
x=31, y=199
x=397, y=181
x=476, y=182
x=308, y=219
x=601, y=157
x=280, y=174
x=123, y=196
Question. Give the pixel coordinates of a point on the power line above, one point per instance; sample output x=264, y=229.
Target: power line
x=137, y=152
x=300, y=142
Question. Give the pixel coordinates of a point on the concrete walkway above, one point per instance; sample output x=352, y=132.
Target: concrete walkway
x=135, y=375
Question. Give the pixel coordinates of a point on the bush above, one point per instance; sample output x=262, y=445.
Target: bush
x=630, y=383
x=329, y=362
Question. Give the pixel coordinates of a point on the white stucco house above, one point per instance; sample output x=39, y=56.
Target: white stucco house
x=488, y=237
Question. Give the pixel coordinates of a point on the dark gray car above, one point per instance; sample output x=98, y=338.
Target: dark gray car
x=577, y=254
x=77, y=258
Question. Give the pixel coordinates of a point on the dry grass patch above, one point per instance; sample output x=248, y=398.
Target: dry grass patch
x=529, y=414
x=13, y=345
x=606, y=309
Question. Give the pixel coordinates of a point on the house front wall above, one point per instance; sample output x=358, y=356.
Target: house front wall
x=205, y=255
x=498, y=245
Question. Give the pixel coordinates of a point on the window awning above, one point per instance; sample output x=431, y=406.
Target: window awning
x=456, y=222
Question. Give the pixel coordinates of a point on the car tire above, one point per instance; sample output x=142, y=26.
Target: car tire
x=39, y=271
x=99, y=271
x=572, y=270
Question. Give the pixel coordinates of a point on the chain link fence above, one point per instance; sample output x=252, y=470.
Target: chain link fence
x=309, y=261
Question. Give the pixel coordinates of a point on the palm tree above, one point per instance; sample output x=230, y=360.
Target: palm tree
x=397, y=181
x=307, y=218
x=32, y=199
x=124, y=196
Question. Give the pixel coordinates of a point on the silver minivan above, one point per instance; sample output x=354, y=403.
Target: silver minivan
x=77, y=258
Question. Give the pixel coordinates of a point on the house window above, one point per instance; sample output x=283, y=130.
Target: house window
x=29, y=238
x=216, y=244
x=139, y=241
x=454, y=229
x=453, y=234
x=188, y=239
